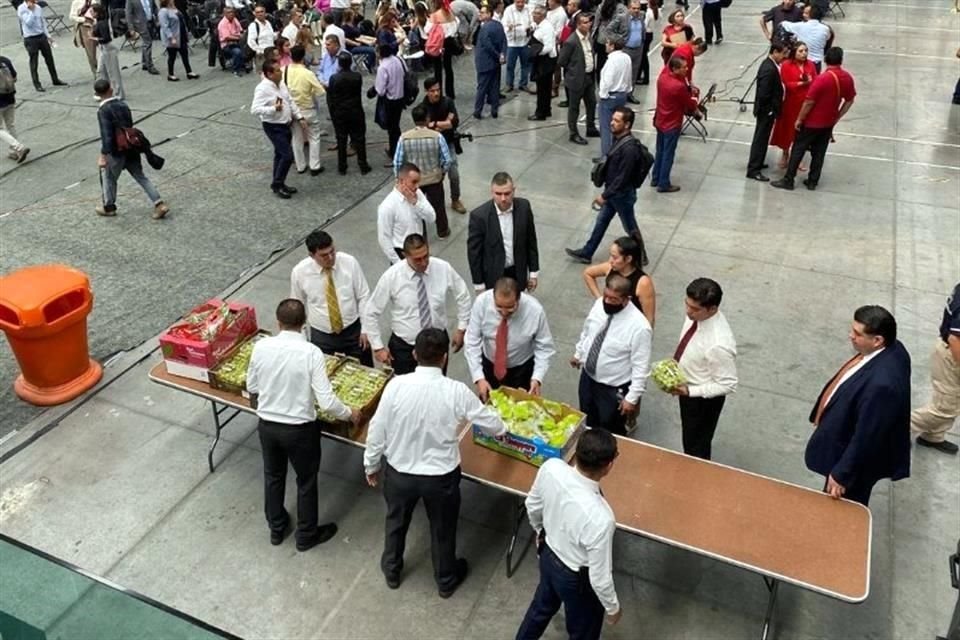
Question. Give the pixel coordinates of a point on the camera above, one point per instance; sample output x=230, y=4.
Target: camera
x=457, y=137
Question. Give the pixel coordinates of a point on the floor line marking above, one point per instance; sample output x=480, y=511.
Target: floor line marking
x=747, y=123
x=854, y=51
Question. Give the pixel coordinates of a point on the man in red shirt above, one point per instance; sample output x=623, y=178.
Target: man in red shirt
x=689, y=51
x=829, y=98
x=674, y=100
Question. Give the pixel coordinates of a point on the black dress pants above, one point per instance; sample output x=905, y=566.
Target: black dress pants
x=711, y=20
x=601, y=403
x=518, y=377
x=353, y=127
x=760, y=144
x=37, y=46
x=698, y=419
x=589, y=97
x=403, y=360
x=298, y=444
x=393, y=110
x=816, y=141
x=441, y=500
x=543, y=68
x=644, y=76
x=346, y=342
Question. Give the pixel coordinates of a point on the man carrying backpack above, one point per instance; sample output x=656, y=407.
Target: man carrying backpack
x=8, y=111
x=626, y=166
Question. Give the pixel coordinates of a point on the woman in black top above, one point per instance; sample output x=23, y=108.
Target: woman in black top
x=628, y=257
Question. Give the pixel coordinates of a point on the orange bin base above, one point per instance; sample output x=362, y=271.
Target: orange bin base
x=47, y=396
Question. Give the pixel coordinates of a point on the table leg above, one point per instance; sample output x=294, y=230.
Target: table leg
x=772, y=586
x=521, y=516
x=218, y=425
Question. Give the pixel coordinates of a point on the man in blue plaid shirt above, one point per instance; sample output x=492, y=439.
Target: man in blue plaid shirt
x=427, y=149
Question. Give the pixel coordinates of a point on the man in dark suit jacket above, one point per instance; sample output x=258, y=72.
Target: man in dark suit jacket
x=766, y=108
x=578, y=79
x=489, y=54
x=346, y=113
x=139, y=22
x=487, y=249
x=862, y=416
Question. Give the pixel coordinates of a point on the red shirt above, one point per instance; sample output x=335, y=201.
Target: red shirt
x=674, y=99
x=685, y=51
x=826, y=93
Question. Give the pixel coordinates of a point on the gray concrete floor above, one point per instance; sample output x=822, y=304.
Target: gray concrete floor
x=120, y=486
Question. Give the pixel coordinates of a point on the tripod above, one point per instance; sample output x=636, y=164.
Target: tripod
x=743, y=99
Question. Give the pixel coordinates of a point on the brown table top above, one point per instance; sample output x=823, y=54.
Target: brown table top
x=774, y=528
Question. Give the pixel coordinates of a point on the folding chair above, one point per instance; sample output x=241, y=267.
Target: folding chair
x=697, y=125
x=834, y=8
x=55, y=21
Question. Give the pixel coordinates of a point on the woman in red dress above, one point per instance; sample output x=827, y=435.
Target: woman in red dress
x=797, y=73
x=674, y=34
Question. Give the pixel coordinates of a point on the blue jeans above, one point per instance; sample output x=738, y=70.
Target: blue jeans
x=234, y=53
x=663, y=159
x=281, y=138
x=607, y=105
x=560, y=585
x=514, y=53
x=116, y=164
x=620, y=204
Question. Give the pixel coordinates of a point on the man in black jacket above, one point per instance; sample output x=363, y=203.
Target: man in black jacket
x=346, y=112
x=442, y=116
x=113, y=115
x=576, y=60
x=502, y=240
x=620, y=184
x=766, y=108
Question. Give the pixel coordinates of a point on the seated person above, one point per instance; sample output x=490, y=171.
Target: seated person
x=354, y=46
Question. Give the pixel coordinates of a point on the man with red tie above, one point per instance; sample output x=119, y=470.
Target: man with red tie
x=862, y=417
x=707, y=355
x=508, y=341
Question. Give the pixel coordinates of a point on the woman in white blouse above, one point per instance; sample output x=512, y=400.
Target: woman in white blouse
x=443, y=18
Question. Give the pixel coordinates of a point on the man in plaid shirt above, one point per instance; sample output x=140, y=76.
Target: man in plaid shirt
x=427, y=149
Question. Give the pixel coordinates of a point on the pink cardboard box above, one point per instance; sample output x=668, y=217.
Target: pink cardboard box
x=208, y=332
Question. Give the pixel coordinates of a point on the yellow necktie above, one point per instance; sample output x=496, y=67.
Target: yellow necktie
x=333, y=305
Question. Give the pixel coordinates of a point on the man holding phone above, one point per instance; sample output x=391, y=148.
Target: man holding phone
x=36, y=40
x=277, y=112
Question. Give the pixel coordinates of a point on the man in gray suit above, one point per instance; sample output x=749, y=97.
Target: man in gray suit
x=577, y=61
x=142, y=18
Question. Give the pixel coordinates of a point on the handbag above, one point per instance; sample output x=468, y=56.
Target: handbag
x=454, y=45
x=129, y=140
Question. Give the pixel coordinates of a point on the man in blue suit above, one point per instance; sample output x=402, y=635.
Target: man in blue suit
x=490, y=52
x=862, y=417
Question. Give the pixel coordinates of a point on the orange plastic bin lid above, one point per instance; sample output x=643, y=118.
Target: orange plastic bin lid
x=27, y=291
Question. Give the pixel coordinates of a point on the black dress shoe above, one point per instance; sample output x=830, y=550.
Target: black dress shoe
x=477, y=115
x=632, y=100
x=593, y=133
x=393, y=582
x=765, y=166
x=462, y=570
x=720, y=39
x=153, y=71
x=342, y=172
x=288, y=189
x=782, y=183
x=563, y=104
x=494, y=115
x=37, y=87
x=60, y=83
x=759, y=177
x=324, y=533
x=280, y=193
x=671, y=189
x=276, y=537
x=811, y=186
x=365, y=169
x=576, y=255
x=536, y=118
x=316, y=172
x=576, y=138
x=946, y=447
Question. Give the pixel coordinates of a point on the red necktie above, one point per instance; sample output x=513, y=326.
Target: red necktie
x=684, y=340
x=500, y=357
x=834, y=382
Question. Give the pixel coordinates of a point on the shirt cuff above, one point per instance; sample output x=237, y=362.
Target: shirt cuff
x=534, y=275
x=479, y=287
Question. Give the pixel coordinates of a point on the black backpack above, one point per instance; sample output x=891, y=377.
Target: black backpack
x=645, y=162
x=411, y=88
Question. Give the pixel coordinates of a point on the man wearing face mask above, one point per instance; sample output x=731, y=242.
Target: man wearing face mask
x=613, y=354
x=508, y=340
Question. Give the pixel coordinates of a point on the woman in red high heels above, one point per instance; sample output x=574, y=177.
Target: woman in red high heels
x=797, y=73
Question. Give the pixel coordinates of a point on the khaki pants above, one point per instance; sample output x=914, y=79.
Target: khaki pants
x=311, y=138
x=934, y=420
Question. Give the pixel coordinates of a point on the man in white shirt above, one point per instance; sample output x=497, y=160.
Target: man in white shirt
x=575, y=528
x=614, y=354
x=557, y=16
x=811, y=32
x=416, y=429
x=405, y=210
x=508, y=340
x=707, y=355
x=416, y=288
x=332, y=287
x=516, y=23
x=330, y=28
x=292, y=30
x=616, y=83
x=260, y=34
x=545, y=62
x=277, y=112
x=285, y=377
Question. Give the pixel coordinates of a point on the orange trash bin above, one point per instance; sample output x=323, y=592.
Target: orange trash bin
x=43, y=311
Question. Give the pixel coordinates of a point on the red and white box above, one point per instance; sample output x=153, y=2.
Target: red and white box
x=204, y=336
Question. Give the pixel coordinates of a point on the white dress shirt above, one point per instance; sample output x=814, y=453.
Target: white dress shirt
x=287, y=373
x=849, y=374
x=290, y=32
x=587, y=47
x=709, y=360
x=528, y=336
x=398, y=286
x=558, y=18
x=579, y=524
x=264, y=103
x=515, y=25
x=417, y=423
x=334, y=30
x=546, y=34
x=616, y=75
x=397, y=218
x=260, y=35
x=505, y=218
x=812, y=33
x=625, y=352
x=308, y=284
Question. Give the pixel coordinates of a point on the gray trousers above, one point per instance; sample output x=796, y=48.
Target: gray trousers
x=111, y=173
x=108, y=67
x=636, y=59
x=8, y=131
x=146, y=46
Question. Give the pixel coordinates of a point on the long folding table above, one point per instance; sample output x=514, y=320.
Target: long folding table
x=781, y=531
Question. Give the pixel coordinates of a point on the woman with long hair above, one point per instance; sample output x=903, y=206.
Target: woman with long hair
x=283, y=47
x=173, y=33
x=443, y=18
x=108, y=65
x=305, y=39
x=796, y=73
x=674, y=34
x=628, y=257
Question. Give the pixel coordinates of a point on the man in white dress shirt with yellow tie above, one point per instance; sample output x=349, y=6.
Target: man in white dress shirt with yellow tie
x=332, y=287
x=575, y=528
x=416, y=288
x=707, y=355
x=508, y=340
x=613, y=353
x=416, y=429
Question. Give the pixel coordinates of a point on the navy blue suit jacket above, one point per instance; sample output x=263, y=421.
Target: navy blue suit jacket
x=864, y=432
x=491, y=44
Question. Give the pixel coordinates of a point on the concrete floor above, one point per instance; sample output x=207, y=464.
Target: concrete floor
x=120, y=487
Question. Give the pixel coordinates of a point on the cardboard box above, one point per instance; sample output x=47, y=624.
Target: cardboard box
x=207, y=352
x=194, y=372
x=533, y=451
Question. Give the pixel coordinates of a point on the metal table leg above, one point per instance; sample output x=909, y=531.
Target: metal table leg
x=521, y=516
x=772, y=585
x=219, y=425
